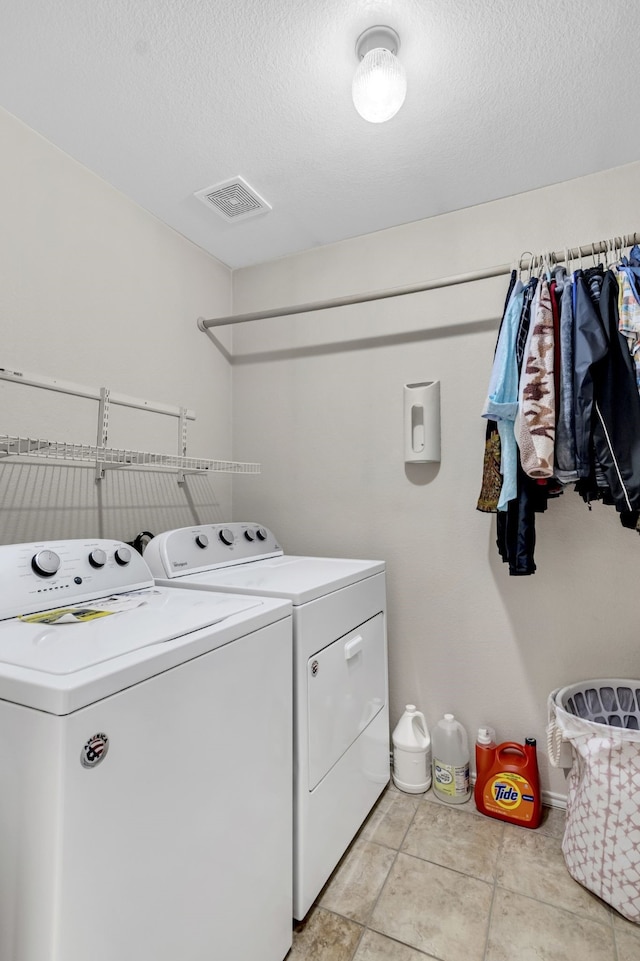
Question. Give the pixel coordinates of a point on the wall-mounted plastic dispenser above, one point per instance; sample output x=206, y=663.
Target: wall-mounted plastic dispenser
x=422, y=422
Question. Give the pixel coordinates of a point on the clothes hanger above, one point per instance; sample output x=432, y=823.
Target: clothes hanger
x=567, y=262
x=532, y=261
x=542, y=265
x=537, y=261
x=521, y=267
x=615, y=252
x=612, y=249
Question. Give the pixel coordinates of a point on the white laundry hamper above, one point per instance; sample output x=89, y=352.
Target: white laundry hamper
x=594, y=730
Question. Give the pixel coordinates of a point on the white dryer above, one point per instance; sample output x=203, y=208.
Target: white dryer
x=140, y=819
x=340, y=686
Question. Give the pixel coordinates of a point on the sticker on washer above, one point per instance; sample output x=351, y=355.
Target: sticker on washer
x=95, y=750
x=77, y=615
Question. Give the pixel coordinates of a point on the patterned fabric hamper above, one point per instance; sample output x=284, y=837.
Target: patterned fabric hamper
x=594, y=729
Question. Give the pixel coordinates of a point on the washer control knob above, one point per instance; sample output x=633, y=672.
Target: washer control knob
x=122, y=556
x=250, y=535
x=202, y=540
x=45, y=563
x=262, y=534
x=97, y=558
x=226, y=536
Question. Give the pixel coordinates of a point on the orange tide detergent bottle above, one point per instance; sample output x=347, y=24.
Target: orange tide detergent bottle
x=507, y=782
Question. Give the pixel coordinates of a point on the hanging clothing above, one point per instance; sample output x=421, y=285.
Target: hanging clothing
x=525, y=321
x=565, y=449
x=491, y=476
x=516, y=527
x=502, y=399
x=572, y=344
x=594, y=277
x=616, y=427
x=629, y=317
x=590, y=347
x=535, y=422
x=631, y=266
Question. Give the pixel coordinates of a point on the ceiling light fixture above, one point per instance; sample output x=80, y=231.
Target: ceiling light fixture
x=380, y=83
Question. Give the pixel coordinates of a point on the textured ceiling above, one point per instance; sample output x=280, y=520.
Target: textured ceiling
x=162, y=98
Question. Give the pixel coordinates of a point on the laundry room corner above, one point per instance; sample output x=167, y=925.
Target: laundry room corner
x=101, y=294
x=318, y=399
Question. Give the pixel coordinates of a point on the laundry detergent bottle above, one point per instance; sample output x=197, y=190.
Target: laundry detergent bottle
x=411, y=752
x=450, y=747
x=485, y=756
x=507, y=785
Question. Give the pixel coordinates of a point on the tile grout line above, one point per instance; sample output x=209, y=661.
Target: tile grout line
x=493, y=894
x=613, y=932
x=365, y=926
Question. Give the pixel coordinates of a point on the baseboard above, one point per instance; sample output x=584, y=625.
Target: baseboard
x=554, y=800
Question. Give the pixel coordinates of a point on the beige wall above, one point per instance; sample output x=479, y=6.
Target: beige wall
x=96, y=291
x=318, y=400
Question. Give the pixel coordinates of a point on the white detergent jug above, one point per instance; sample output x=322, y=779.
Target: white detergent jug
x=411, y=752
x=451, y=761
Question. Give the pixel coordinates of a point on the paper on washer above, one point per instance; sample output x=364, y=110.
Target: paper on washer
x=79, y=613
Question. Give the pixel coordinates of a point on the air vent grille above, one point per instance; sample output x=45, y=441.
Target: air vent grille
x=234, y=200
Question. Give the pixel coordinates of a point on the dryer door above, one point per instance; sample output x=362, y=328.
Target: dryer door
x=346, y=689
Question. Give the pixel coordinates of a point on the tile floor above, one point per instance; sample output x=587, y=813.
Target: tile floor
x=428, y=880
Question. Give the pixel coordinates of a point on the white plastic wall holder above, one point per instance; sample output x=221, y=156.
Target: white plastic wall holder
x=422, y=422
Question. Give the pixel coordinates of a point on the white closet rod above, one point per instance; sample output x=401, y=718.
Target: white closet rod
x=600, y=247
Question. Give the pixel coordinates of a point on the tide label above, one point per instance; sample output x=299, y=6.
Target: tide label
x=508, y=793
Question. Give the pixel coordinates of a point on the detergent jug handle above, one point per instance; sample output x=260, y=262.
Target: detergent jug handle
x=510, y=746
x=421, y=725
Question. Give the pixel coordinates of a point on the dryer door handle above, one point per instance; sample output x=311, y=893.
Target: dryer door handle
x=353, y=647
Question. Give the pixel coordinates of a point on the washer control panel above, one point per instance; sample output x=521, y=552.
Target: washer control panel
x=189, y=550
x=40, y=576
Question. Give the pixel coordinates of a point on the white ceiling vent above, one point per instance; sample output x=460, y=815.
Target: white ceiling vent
x=233, y=200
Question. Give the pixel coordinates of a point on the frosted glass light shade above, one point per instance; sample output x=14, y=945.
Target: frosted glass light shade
x=379, y=86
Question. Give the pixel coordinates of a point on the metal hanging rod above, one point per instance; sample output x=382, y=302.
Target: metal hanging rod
x=557, y=256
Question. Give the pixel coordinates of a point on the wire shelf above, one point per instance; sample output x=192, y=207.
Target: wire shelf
x=37, y=448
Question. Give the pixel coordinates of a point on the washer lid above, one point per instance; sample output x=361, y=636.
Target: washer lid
x=300, y=579
x=71, y=639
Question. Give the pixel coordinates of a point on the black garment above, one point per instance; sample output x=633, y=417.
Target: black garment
x=525, y=320
x=590, y=346
x=594, y=278
x=616, y=423
x=516, y=530
x=513, y=276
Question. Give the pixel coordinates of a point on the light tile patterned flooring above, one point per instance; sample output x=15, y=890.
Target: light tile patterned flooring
x=429, y=880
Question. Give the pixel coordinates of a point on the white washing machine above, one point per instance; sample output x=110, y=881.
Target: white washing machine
x=340, y=687
x=145, y=753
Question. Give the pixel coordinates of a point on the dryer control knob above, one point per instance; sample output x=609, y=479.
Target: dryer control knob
x=97, y=558
x=226, y=536
x=262, y=534
x=122, y=556
x=250, y=535
x=202, y=540
x=45, y=563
